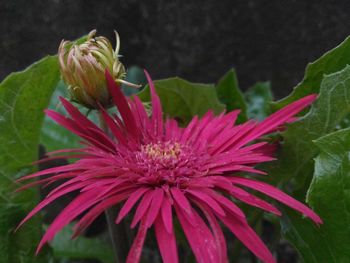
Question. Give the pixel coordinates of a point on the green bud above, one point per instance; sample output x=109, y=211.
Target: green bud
x=83, y=69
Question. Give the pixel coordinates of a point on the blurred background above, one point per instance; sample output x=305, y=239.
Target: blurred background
x=197, y=40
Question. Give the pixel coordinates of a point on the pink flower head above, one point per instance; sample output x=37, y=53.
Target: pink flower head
x=164, y=172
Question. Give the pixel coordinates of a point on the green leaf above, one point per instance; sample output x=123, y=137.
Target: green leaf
x=259, y=98
x=306, y=237
x=23, y=97
x=295, y=159
x=80, y=247
x=183, y=100
x=331, y=62
x=329, y=196
x=54, y=136
x=229, y=93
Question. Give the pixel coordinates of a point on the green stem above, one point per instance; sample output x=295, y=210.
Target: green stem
x=118, y=232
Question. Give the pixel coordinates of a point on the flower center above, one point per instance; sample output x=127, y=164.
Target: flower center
x=162, y=152
x=169, y=162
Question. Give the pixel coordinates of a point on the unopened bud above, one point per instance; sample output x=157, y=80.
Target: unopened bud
x=83, y=69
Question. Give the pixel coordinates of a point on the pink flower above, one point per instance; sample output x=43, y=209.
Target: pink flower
x=164, y=171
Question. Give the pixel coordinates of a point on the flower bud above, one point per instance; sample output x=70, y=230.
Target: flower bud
x=83, y=69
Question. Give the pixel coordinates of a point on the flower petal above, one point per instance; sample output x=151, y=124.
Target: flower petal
x=208, y=200
x=142, y=209
x=157, y=118
x=133, y=198
x=278, y=195
x=218, y=234
x=69, y=213
x=157, y=199
x=182, y=201
x=199, y=236
x=166, y=242
x=272, y=122
x=93, y=213
x=167, y=215
x=136, y=248
x=122, y=105
x=248, y=237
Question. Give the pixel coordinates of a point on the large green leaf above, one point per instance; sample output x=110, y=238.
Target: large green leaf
x=295, y=159
x=54, y=136
x=81, y=247
x=306, y=237
x=229, y=93
x=329, y=196
x=331, y=62
x=183, y=100
x=23, y=97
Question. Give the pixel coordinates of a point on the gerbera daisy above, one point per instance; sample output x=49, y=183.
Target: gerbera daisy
x=163, y=171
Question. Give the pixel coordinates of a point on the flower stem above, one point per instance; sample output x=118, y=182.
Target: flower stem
x=118, y=232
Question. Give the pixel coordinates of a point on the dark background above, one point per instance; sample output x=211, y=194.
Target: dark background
x=198, y=40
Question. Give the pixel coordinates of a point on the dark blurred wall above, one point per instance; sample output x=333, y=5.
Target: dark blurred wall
x=198, y=40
